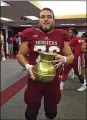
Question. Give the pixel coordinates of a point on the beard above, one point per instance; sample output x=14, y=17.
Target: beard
x=46, y=29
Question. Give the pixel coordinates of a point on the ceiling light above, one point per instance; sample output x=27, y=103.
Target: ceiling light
x=63, y=8
x=32, y=17
x=2, y=3
x=67, y=24
x=6, y=19
x=25, y=25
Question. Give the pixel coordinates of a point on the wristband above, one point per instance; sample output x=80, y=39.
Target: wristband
x=65, y=59
x=28, y=66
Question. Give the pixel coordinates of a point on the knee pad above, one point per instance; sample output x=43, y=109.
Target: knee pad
x=30, y=117
x=51, y=116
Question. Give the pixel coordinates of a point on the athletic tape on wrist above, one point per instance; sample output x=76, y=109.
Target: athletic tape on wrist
x=28, y=66
x=65, y=59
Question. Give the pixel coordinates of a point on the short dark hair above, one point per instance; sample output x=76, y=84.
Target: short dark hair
x=84, y=34
x=75, y=31
x=48, y=9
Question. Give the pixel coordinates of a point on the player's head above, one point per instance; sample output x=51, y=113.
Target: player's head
x=84, y=35
x=19, y=33
x=46, y=21
x=73, y=32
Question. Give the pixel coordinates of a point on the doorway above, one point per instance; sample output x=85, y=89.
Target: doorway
x=2, y=31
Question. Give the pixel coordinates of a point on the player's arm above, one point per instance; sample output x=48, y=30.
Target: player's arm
x=21, y=57
x=22, y=53
x=68, y=53
x=24, y=48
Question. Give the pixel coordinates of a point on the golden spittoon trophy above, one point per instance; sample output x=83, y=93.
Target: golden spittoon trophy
x=44, y=70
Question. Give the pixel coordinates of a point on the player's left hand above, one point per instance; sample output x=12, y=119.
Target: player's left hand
x=59, y=60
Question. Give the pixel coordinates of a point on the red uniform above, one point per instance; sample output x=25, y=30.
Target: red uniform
x=84, y=53
x=84, y=60
x=76, y=65
x=38, y=40
x=10, y=40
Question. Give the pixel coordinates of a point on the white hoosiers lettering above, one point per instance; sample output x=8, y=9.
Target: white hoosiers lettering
x=42, y=42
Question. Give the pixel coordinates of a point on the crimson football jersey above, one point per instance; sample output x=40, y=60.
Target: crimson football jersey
x=74, y=41
x=44, y=42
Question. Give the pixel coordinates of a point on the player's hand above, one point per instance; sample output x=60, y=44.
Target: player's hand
x=59, y=60
x=31, y=73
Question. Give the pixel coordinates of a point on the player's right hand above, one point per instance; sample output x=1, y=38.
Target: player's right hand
x=31, y=73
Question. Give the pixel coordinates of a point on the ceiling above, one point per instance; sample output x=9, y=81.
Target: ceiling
x=19, y=9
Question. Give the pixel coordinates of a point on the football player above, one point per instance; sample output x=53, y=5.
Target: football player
x=47, y=39
x=76, y=65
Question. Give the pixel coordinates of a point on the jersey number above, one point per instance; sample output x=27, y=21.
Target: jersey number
x=42, y=48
